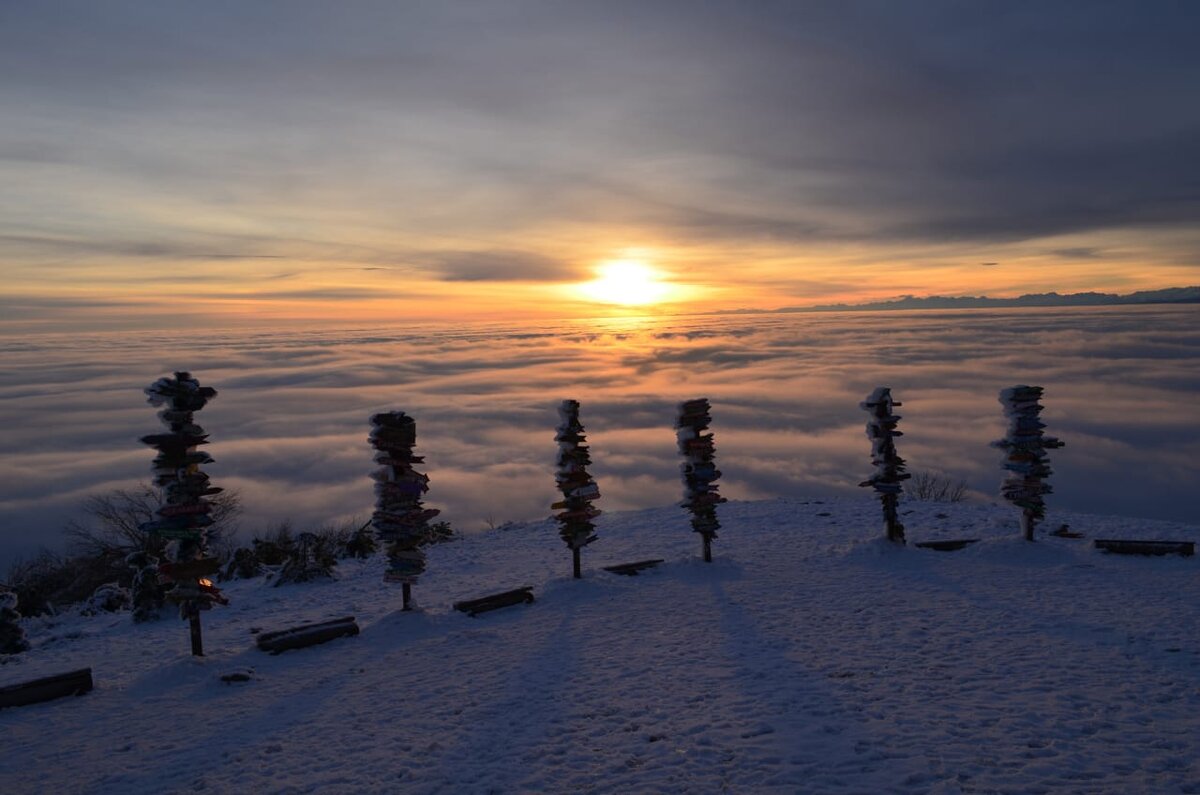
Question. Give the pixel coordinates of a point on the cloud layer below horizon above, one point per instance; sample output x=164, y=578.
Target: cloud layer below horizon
x=289, y=426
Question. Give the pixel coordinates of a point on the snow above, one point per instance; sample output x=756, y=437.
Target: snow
x=811, y=656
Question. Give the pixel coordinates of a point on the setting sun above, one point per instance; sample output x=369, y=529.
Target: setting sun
x=626, y=282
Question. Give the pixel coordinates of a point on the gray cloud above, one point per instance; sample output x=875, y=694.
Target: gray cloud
x=479, y=266
x=1078, y=252
x=985, y=122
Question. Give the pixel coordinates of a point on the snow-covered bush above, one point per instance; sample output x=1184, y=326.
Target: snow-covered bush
x=12, y=635
x=360, y=543
x=146, y=593
x=935, y=487
x=312, y=559
x=108, y=598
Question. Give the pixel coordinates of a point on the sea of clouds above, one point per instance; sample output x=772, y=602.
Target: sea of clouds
x=288, y=429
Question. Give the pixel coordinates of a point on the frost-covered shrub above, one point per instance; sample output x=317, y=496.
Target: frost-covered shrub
x=934, y=487
x=313, y=559
x=242, y=565
x=49, y=580
x=146, y=594
x=360, y=543
x=438, y=533
x=275, y=548
x=12, y=635
x=108, y=598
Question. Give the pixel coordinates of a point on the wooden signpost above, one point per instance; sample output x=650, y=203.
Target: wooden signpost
x=400, y=520
x=183, y=518
x=699, y=470
x=1026, y=461
x=889, y=466
x=577, y=487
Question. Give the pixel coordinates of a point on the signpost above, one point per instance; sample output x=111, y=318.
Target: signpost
x=183, y=518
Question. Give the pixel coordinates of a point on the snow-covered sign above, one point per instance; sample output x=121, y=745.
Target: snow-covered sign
x=889, y=466
x=400, y=520
x=183, y=518
x=1026, y=462
x=577, y=487
x=699, y=469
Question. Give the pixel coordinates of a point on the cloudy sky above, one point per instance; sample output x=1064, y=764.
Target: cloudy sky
x=428, y=160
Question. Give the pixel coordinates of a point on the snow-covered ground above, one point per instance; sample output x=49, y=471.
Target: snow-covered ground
x=810, y=657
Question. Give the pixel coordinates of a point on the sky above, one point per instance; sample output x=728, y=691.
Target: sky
x=226, y=163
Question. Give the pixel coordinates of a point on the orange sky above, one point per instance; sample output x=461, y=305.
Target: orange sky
x=392, y=163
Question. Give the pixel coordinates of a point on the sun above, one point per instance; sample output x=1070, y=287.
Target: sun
x=626, y=282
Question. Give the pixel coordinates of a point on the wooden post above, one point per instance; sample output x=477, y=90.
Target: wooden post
x=575, y=557
x=197, y=639
x=406, y=590
x=699, y=471
x=889, y=466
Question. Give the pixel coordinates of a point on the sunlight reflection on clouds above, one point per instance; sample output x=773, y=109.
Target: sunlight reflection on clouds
x=289, y=428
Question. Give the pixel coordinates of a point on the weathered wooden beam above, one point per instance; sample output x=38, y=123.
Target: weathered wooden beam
x=483, y=604
x=632, y=569
x=73, y=683
x=1123, y=547
x=952, y=545
x=307, y=635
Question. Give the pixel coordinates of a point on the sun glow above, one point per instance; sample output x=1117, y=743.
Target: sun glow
x=627, y=282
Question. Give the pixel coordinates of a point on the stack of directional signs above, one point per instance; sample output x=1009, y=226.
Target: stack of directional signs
x=184, y=515
x=400, y=520
x=699, y=469
x=889, y=467
x=1026, y=462
x=577, y=487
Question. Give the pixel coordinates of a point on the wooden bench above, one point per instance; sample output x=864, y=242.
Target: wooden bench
x=1122, y=547
x=73, y=683
x=307, y=635
x=632, y=569
x=951, y=545
x=473, y=607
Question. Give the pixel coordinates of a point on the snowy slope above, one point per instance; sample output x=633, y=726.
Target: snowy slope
x=810, y=657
